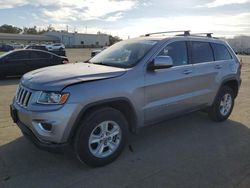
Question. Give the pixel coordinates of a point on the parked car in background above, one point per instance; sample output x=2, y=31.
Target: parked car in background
x=56, y=46
x=245, y=51
x=6, y=47
x=92, y=106
x=37, y=47
x=44, y=48
x=59, y=52
x=17, y=46
x=18, y=62
x=97, y=51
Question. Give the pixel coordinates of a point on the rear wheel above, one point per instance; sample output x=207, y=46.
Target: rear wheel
x=223, y=105
x=101, y=137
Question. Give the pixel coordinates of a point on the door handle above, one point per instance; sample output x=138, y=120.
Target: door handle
x=187, y=71
x=218, y=67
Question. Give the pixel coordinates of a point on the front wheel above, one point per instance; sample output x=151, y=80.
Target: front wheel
x=223, y=105
x=101, y=137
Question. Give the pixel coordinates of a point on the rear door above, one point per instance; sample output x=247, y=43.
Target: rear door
x=39, y=59
x=223, y=58
x=168, y=91
x=205, y=72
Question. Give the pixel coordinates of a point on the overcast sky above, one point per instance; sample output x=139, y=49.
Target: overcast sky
x=130, y=17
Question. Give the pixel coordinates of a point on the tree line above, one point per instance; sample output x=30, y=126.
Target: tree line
x=35, y=31
x=25, y=30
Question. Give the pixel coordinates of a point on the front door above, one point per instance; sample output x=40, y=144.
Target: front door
x=14, y=64
x=169, y=91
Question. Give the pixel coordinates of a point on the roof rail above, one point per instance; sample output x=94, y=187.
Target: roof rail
x=185, y=32
x=200, y=34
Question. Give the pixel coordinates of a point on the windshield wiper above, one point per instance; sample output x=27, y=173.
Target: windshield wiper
x=101, y=63
x=108, y=64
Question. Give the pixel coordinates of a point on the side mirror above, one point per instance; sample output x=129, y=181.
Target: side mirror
x=161, y=62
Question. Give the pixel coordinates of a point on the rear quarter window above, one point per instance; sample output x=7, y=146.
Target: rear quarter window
x=220, y=52
x=40, y=55
x=201, y=52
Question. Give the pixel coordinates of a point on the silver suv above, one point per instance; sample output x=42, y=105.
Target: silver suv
x=92, y=106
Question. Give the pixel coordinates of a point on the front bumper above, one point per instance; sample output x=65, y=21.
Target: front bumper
x=51, y=147
x=31, y=136
x=61, y=121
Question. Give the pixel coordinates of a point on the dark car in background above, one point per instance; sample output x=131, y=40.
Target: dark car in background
x=37, y=47
x=6, y=47
x=18, y=62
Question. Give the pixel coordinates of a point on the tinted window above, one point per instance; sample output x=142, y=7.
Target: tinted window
x=38, y=47
x=19, y=55
x=220, y=52
x=177, y=51
x=201, y=52
x=39, y=55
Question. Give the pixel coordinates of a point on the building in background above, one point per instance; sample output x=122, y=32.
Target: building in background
x=80, y=39
x=68, y=39
x=14, y=39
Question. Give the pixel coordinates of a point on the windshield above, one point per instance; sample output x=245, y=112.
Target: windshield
x=124, y=54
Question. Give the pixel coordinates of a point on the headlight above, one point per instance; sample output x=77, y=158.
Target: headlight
x=52, y=98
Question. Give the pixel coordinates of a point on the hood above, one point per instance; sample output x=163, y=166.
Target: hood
x=55, y=78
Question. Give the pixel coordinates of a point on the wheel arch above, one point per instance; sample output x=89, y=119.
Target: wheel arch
x=121, y=104
x=233, y=84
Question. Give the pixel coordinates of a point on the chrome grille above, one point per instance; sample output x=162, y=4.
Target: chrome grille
x=23, y=96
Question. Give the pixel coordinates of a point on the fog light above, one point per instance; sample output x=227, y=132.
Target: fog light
x=45, y=126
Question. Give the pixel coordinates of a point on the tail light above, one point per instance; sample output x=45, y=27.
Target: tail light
x=65, y=61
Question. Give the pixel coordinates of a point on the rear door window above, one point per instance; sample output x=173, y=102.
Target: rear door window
x=220, y=52
x=177, y=51
x=39, y=55
x=201, y=52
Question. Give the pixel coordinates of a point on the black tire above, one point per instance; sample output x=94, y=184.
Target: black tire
x=214, y=111
x=89, y=123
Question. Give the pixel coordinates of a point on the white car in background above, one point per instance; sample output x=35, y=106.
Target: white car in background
x=55, y=47
x=17, y=46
